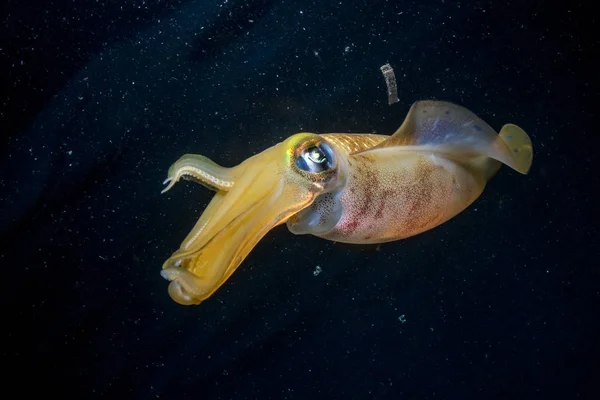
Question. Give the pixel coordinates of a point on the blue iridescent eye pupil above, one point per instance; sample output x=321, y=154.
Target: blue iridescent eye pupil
x=316, y=155
x=316, y=159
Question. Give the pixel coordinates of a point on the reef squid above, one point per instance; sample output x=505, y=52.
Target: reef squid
x=351, y=188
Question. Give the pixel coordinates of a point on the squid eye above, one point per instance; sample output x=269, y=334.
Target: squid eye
x=316, y=159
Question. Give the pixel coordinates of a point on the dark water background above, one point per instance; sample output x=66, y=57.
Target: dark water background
x=99, y=98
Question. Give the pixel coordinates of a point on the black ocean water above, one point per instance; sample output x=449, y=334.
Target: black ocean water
x=99, y=98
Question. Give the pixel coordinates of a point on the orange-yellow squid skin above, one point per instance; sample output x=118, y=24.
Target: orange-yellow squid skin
x=352, y=188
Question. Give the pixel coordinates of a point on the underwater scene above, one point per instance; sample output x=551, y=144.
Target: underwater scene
x=263, y=199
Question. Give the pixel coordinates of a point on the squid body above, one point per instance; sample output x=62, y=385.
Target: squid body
x=351, y=188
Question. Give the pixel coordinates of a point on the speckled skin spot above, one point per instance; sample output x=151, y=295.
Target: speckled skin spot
x=392, y=195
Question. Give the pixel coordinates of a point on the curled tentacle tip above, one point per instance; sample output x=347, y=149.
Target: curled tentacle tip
x=178, y=293
x=170, y=273
x=169, y=186
x=165, y=274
